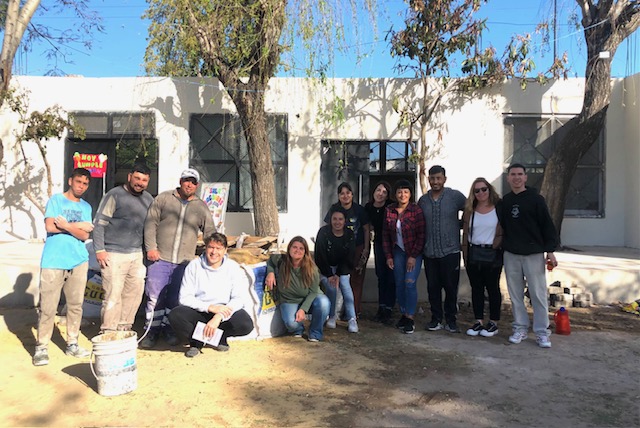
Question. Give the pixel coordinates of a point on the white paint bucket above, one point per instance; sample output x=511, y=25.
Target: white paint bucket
x=115, y=366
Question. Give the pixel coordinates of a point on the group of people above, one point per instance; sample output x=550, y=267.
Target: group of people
x=182, y=291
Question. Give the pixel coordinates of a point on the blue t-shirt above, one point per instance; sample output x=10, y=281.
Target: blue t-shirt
x=62, y=250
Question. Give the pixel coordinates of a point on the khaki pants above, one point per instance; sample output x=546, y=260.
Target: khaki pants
x=52, y=282
x=123, y=283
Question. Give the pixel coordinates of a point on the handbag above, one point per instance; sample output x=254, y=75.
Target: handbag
x=483, y=253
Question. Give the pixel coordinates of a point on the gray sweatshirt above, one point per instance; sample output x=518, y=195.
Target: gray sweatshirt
x=119, y=221
x=442, y=222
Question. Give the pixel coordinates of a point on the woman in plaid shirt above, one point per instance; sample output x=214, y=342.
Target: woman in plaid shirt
x=403, y=233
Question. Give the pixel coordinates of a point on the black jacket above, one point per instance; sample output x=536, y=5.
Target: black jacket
x=334, y=250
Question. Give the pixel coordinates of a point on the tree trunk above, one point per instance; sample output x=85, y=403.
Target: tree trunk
x=250, y=105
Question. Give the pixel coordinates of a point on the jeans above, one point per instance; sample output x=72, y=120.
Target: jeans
x=52, y=282
x=347, y=296
x=485, y=276
x=161, y=275
x=123, y=283
x=319, y=311
x=406, y=289
x=532, y=267
x=443, y=273
x=357, y=280
x=184, y=319
x=386, y=280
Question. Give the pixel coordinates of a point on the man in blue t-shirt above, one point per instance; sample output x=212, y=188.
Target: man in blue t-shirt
x=64, y=265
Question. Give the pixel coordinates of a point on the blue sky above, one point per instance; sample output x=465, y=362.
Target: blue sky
x=120, y=50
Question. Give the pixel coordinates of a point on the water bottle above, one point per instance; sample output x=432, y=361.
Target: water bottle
x=561, y=318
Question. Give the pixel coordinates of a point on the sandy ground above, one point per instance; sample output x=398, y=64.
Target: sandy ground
x=378, y=377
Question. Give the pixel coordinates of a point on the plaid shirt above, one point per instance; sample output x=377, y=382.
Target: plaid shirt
x=412, y=227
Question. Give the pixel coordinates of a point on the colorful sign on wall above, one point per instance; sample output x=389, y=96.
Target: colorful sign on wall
x=95, y=163
x=216, y=196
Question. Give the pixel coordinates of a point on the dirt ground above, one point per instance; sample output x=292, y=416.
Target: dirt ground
x=377, y=377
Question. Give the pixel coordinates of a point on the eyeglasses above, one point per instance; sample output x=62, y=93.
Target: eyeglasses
x=481, y=189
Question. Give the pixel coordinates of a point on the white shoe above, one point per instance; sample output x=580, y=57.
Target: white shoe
x=543, y=341
x=353, y=326
x=331, y=322
x=518, y=336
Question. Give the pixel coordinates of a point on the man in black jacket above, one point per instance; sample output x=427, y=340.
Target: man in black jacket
x=528, y=233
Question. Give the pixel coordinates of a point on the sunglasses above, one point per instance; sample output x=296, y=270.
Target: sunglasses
x=481, y=189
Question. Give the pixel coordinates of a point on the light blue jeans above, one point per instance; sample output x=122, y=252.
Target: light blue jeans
x=406, y=290
x=347, y=296
x=319, y=311
x=531, y=267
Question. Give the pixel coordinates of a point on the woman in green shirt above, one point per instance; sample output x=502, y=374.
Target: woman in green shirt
x=298, y=281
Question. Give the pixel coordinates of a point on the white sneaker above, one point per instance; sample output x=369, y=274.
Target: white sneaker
x=353, y=326
x=543, y=341
x=518, y=336
x=331, y=322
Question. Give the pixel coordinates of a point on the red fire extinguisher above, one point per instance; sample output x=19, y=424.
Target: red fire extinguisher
x=561, y=318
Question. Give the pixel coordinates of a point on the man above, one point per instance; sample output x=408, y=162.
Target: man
x=64, y=265
x=440, y=206
x=117, y=240
x=528, y=233
x=214, y=289
x=170, y=237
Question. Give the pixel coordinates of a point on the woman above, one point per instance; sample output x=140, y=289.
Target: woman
x=298, y=281
x=481, y=240
x=334, y=256
x=358, y=222
x=403, y=233
x=376, y=208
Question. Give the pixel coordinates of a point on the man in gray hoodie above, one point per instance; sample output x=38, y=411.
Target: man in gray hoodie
x=170, y=237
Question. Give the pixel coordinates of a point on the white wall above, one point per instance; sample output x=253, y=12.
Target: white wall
x=472, y=139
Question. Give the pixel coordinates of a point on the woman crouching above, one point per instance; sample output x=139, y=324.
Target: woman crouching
x=298, y=282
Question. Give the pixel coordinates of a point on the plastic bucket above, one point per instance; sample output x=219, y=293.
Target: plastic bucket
x=115, y=362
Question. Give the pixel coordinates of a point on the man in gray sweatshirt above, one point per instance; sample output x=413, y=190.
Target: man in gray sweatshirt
x=117, y=240
x=170, y=237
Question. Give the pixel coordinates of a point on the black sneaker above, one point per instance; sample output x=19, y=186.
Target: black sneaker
x=434, y=325
x=401, y=322
x=149, y=342
x=192, y=352
x=379, y=315
x=409, y=326
x=170, y=337
x=387, y=315
x=476, y=329
x=490, y=331
x=452, y=327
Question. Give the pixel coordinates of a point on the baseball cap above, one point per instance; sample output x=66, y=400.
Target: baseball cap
x=190, y=173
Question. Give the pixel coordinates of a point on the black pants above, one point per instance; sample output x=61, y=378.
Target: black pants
x=183, y=319
x=481, y=276
x=443, y=273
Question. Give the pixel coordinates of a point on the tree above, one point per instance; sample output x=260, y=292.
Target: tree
x=606, y=23
x=438, y=33
x=240, y=42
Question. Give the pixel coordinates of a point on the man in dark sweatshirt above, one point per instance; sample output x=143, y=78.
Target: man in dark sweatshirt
x=528, y=233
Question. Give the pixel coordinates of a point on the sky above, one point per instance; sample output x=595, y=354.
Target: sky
x=120, y=50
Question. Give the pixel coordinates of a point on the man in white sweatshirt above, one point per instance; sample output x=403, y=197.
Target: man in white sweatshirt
x=214, y=290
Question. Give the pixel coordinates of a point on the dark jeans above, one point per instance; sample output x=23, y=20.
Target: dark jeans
x=184, y=319
x=481, y=276
x=386, y=281
x=443, y=273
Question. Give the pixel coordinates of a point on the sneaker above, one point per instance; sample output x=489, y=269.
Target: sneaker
x=74, y=350
x=518, y=336
x=477, y=329
x=222, y=347
x=379, y=315
x=192, y=352
x=387, y=314
x=170, y=337
x=331, y=322
x=434, y=326
x=150, y=340
x=409, y=326
x=452, y=327
x=353, y=326
x=297, y=335
x=313, y=339
x=41, y=356
x=401, y=322
x=543, y=341
x=489, y=331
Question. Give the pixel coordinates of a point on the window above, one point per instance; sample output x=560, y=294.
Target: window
x=218, y=150
x=530, y=140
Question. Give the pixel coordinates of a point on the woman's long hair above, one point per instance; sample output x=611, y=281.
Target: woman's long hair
x=307, y=265
x=384, y=184
x=471, y=203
